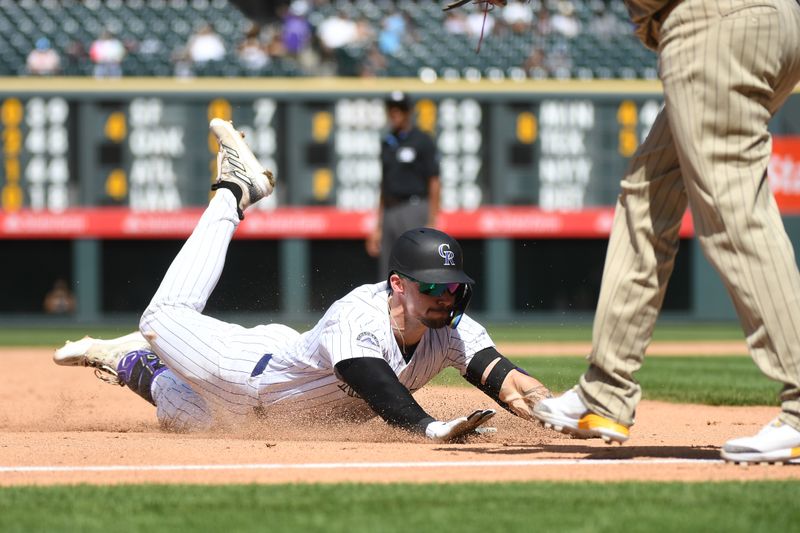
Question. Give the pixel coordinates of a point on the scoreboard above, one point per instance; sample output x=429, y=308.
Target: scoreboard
x=127, y=147
x=38, y=162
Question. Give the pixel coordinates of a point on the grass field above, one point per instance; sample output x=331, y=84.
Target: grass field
x=561, y=506
x=485, y=508
x=55, y=336
x=733, y=380
x=583, y=332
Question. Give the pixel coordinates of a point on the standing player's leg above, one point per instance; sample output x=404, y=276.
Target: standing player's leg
x=719, y=130
x=746, y=62
x=641, y=254
x=214, y=357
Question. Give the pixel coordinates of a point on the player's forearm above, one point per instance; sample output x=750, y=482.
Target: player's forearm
x=375, y=382
x=488, y=370
x=507, y=384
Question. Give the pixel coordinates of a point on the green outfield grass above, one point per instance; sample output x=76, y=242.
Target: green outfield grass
x=551, y=332
x=733, y=380
x=53, y=336
x=488, y=507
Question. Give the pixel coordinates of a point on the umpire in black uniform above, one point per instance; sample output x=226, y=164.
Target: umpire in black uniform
x=409, y=182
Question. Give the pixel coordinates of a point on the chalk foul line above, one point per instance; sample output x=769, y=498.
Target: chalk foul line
x=352, y=466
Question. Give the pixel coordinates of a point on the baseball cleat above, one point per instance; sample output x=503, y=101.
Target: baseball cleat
x=775, y=443
x=102, y=355
x=238, y=170
x=569, y=415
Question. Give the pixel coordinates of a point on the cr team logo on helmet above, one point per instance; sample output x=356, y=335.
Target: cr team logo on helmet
x=428, y=255
x=447, y=255
x=432, y=256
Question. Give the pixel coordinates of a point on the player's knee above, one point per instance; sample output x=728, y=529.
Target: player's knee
x=146, y=323
x=177, y=421
x=152, y=316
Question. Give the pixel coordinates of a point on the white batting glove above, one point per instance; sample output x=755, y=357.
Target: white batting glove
x=458, y=427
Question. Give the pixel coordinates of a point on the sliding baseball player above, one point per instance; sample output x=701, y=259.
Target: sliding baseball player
x=370, y=351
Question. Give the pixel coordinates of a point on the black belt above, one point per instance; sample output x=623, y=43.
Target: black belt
x=393, y=201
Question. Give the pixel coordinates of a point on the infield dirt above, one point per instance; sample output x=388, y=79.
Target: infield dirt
x=58, y=418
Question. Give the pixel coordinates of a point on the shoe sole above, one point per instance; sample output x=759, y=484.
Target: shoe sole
x=779, y=457
x=228, y=136
x=588, y=427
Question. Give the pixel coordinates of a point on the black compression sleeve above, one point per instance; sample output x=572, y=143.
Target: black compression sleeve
x=477, y=366
x=375, y=382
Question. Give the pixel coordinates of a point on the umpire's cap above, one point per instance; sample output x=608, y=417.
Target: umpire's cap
x=399, y=100
x=428, y=255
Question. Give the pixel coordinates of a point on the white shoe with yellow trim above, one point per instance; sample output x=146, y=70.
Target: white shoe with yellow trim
x=568, y=414
x=775, y=443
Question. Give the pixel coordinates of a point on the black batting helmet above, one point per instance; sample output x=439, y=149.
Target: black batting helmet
x=428, y=255
x=432, y=256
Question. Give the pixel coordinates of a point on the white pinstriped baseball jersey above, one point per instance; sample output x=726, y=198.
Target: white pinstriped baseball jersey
x=358, y=325
x=212, y=364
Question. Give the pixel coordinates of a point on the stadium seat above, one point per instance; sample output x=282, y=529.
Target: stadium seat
x=172, y=22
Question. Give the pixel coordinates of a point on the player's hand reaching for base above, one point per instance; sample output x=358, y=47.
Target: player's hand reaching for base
x=521, y=403
x=458, y=427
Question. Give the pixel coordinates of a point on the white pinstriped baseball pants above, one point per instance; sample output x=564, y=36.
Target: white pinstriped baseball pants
x=726, y=66
x=214, y=358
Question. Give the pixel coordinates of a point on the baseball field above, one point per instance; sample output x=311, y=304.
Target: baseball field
x=77, y=454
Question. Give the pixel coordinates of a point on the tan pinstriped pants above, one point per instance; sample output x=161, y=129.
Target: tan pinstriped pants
x=726, y=67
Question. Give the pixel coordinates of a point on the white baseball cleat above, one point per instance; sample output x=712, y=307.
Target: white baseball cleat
x=238, y=170
x=775, y=443
x=102, y=355
x=568, y=414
